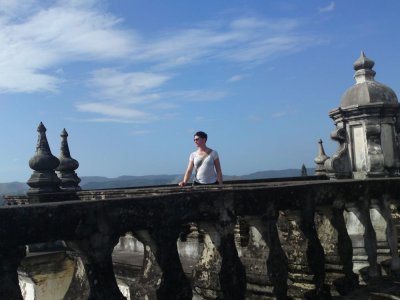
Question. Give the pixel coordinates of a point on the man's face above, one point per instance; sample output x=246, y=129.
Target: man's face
x=199, y=141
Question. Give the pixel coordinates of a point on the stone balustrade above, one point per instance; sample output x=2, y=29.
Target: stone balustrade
x=306, y=239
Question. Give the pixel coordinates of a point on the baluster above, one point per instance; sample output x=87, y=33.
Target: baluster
x=10, y=259
x=277, y=263
x=338, y=244
x=232, y=275
x=315, y=252
x=294, y=244
x=79, y=288
x=306, y=260
x=391, y=234
x=95, y=250
x=361, y=210
x=174, y=283
x=151, y=272
x=205, y=273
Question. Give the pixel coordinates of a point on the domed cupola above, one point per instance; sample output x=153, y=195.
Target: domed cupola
x=366, y=90
x=367, y=128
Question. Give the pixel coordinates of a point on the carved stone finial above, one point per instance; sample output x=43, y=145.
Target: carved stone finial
x=43, y=180
x=68, y=165
x=363, y=67
x=320, y=160
x=363, y=62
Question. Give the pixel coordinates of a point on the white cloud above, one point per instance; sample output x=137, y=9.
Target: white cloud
x=164, y=106
x=130, y=87
x=241, y=40
x=54, y=35
x=236, y=78
x=330, y=7
x=40, y=38
x=114, y=113
x=263, y=49
x=10, y=8
x=125, y=92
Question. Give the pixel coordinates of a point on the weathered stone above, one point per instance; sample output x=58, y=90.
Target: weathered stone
x=68, y=165
x=79, y=288
x=46, y=275
x=44, y=179
x=366, y=128
x=10, y=258
x=98, y=224
x=320, y=160
x=95, y=251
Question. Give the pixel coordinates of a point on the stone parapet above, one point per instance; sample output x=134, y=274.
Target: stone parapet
x=300, y=242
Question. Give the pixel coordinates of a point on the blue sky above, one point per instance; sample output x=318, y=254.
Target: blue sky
x=131, y=81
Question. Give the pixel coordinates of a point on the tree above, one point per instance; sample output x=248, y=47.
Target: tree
x=304, y=170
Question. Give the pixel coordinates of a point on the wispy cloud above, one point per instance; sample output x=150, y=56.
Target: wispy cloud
x=10, y=8
x=132, y=87
x=124, y=96
x=40, y=38
x=241, y=40
x=330, y=7
x=51, y=36
x=237, y=77
x=115, y=113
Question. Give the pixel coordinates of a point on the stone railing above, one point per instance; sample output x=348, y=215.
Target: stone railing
x=315, y=238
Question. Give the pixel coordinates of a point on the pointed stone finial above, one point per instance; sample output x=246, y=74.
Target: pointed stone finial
x=320, y=160
x=44, y=179
x=363, y=67
x=68, y=165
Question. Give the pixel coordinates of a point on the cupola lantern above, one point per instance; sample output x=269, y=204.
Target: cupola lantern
x=366, y=128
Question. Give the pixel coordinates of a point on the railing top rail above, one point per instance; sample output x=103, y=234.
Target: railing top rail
x=76, y=219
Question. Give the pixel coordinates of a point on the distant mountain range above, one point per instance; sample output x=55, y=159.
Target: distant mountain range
x=98, y=182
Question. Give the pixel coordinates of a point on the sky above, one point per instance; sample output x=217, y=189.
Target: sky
x=132, y=80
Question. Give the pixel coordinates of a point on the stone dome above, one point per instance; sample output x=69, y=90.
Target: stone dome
x=367, y=90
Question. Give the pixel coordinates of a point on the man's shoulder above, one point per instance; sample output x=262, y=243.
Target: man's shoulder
x=193, y=155
x=213, y=153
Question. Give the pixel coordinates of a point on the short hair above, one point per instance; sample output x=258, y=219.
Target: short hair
x=201, y=134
